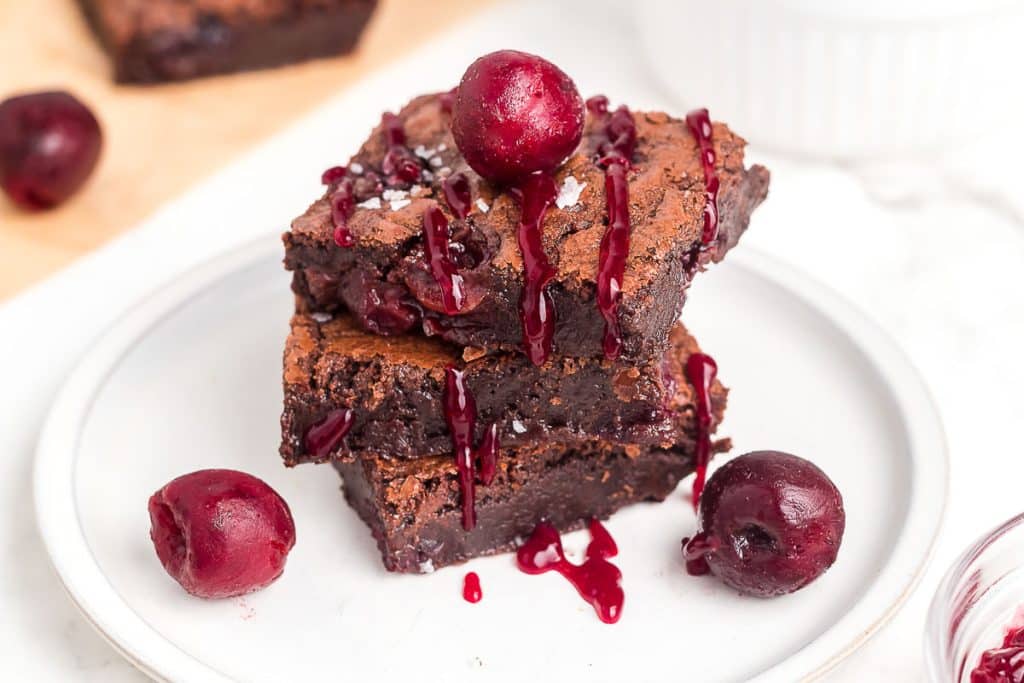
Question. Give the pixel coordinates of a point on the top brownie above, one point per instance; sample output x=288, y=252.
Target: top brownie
x=171, y=40
x=382, y=281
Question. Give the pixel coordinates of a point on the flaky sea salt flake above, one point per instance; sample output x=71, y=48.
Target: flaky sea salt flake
x=569, y=193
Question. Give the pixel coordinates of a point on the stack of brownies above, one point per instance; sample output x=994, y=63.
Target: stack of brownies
x=455, y=434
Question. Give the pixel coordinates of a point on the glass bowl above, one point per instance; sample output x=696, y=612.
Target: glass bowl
x=978, y=600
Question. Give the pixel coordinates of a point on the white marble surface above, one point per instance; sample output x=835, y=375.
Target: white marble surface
x=937, y=264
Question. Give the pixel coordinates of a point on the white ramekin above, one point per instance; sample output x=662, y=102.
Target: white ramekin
x=839, y=78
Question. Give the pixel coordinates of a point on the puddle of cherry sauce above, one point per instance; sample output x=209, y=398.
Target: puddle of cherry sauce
x=597, y=580
x=471, y=588
x=701, y=370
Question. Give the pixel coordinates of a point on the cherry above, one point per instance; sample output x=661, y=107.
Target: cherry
x=382, y=308
x=1004, y=664
x=221, y=533
x=770, y=523
x=49, y=145
x=516, y=114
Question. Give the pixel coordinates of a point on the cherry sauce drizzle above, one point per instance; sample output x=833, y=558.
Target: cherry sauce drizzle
x=324, y=436
x=700, y=127
x=400, y=167
x=460, y=414
x=400, y=164
x=458, y=195
x=1002, y=665
x=343, y=203
x=471, y=588
x=536, y=307
x=597, y=580
x=701, y=370
x=438, y=255
x=615, y=154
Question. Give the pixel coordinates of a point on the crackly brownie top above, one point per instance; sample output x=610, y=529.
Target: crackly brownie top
x=666, y=190
x=123, y=20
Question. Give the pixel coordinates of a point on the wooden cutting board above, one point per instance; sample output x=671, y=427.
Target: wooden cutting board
x=45, y=44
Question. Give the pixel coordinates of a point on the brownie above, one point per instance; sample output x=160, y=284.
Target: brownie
x=394, y=388
x=170, y=40
x=413, y=507
x=381, y=277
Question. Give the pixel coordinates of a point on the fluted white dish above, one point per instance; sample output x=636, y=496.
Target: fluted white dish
x=843, y=79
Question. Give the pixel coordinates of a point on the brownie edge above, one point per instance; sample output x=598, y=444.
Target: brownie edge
x=167, y=40
x=412, y=508
x=394, y=388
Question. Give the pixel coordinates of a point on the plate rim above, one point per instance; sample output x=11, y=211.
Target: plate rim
x=147, y=649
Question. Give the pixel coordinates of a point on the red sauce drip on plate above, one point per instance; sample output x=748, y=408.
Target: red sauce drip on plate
x=700, y=127
x=701, y=370
x=460, y=414
x=324, y=436
x=442, y=268
x=615, y=155
x=471, y=588
x=536, y=307
x=1004, y=664
x=597, y=580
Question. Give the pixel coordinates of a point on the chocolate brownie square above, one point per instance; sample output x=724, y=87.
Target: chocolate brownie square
x=381, y=279
x=172, y=40
x=384, y=396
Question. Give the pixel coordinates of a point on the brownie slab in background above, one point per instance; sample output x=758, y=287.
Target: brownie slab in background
x=151, y=41
x=382, y=279
x=413, y=507
x=394, y=388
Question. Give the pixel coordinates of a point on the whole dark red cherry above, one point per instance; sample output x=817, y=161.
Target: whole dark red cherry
x=516, y=114
x=49, y=145
x=770, y=523
x=221, y=533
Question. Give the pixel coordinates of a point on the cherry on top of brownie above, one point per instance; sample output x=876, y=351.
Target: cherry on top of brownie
x=666, y=209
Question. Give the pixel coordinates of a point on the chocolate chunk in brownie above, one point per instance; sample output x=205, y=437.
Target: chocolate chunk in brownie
x=412, y=507
x=394, y=387
x=169, y=40
x=382, y=279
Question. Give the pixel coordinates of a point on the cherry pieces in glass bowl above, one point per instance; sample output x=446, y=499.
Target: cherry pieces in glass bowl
x=973, y=626
x=50, y=143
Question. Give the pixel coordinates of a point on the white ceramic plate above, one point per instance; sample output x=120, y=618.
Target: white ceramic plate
x=190, y=379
